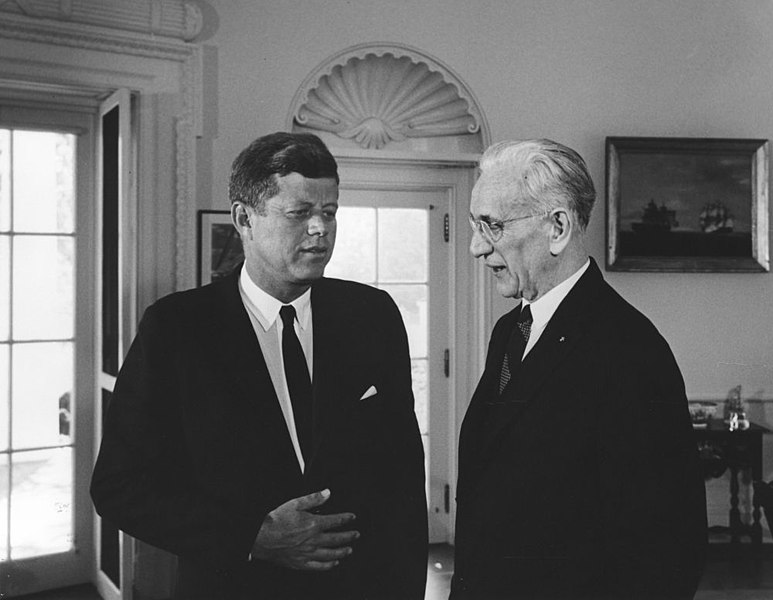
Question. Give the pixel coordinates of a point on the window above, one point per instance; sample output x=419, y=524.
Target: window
x=38, y=336
x=45, y=346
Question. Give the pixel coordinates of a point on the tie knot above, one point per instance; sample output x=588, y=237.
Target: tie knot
x=525, y=316
x=287, y=312
x=524, y=322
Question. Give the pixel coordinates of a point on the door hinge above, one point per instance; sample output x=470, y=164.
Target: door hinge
x=447, y=362
x=446, y=227
x=447, y=498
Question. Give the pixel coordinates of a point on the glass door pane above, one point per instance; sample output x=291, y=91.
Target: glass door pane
x=37, y=342
x=392, y=239
x=387, y=247
x=41, y=502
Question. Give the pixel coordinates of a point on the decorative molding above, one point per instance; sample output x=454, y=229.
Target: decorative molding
x=188, y=124
x=188, y=127
x=379, y=93
x=167, y=18
x=87, y=37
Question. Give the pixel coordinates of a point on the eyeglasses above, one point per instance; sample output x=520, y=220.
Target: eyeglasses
x=494, y=230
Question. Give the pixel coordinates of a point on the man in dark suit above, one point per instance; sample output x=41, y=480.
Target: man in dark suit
x=578, y=469
x=262, y=427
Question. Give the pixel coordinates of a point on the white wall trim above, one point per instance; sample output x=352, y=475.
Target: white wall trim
x=168, y=18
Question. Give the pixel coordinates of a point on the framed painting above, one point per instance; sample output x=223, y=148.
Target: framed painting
x=219, y=246
x=687, y=204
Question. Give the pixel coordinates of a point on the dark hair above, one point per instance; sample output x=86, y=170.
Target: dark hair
x=254, y=172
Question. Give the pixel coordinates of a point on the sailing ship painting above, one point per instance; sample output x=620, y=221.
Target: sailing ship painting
x=686, y=204
x=655, y=218
x=709, y=232
x=715, y=218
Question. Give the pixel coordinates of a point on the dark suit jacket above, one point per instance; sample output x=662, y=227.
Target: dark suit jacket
x=196, y=452
x=588, y=485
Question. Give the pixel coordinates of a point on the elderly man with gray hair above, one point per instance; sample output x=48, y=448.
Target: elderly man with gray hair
x=578, y=469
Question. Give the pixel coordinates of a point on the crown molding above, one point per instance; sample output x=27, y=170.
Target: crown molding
x=166, y=18
x=78, y=35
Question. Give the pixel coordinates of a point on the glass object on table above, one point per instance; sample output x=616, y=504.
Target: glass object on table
x=735, y=412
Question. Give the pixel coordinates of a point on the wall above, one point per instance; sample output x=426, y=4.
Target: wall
x=572, y=71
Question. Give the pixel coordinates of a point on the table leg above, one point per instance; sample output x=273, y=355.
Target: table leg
x=756, y=525
x=735, y=514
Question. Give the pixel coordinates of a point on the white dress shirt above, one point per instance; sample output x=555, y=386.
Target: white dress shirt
x=263, y=310
x=543, y=308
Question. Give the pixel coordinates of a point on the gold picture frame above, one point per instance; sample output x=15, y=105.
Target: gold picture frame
x=687, y=204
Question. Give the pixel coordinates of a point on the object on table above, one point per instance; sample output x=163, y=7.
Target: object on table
x=735, y=411
x=701, y=413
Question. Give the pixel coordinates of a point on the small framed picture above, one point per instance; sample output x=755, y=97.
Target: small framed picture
x=220, y=249
x=687, y=204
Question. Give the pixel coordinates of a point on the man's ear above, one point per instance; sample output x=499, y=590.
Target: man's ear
x=241, y=220
x=561, y=228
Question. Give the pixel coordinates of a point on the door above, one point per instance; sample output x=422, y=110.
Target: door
x=116, y=306
x=395, y=237
x=46, y=333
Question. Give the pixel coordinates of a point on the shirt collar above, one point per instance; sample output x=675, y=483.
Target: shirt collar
x=543, y=308
x=266, y=308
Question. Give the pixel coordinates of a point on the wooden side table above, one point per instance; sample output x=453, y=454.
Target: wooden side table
x=737, y=451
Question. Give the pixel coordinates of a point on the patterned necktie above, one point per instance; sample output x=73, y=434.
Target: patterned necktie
x=298, y=380
x=515, y=347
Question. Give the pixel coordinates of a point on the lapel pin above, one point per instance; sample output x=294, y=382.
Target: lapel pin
x=562, y=339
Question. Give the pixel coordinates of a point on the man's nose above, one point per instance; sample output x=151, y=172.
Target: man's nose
x=479, y=245
x=319, y=225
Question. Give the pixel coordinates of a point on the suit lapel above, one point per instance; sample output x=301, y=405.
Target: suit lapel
x=564, y=331
x=236, y=350
x=235, y=346
x=329, y=328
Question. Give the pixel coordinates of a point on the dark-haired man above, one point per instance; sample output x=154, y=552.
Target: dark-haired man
x=578, y=468
x=262, y=427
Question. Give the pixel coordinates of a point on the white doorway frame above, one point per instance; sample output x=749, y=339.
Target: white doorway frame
x=454, y=178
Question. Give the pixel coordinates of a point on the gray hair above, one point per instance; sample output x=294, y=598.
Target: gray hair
x=545, y=175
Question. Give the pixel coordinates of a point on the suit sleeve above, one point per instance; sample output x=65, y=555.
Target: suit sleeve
x=654, y=510
x=404, y=528
x=142, y=482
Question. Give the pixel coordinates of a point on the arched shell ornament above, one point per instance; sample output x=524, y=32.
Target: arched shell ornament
x=375, y=100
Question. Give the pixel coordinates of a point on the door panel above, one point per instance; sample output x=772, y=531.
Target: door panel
x=45, y=343
x=393, y=239
x=116, y=307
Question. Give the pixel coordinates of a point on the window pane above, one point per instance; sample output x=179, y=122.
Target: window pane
x=42, y=382
x=402, y=244
x=5, y=396
x=111, y=195
x=41, y=502
x=412, y=302
x=5, y=286
x=420, y=393
x=43, y=277
x=3, y=507
x=355, y=250
x=43, y=181
x=5, y=180
x=110, y=536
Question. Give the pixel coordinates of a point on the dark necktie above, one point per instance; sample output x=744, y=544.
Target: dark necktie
x=298, y=380
x=515, y=347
